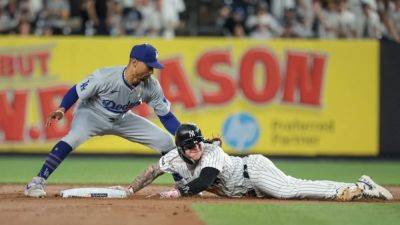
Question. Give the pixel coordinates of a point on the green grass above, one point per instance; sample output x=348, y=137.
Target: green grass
x=299, y=214
x=79, y=170
x=113, y=170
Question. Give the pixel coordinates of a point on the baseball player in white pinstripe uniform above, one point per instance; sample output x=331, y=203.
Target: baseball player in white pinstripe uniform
x=204, y=166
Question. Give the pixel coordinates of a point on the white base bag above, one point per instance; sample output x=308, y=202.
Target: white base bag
x=93, y=193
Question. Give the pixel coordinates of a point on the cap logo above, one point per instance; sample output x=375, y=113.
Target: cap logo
x=156, y=54
x=191, y=133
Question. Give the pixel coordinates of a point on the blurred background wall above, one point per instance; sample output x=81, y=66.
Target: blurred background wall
x=293, y=77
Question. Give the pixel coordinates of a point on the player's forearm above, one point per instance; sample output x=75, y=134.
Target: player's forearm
x=207, y=177
x=170, y=122
x=146, y=178
x=69, y=98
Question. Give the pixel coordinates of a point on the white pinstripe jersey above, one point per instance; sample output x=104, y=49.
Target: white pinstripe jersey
x=230, y=180
x=107, y=92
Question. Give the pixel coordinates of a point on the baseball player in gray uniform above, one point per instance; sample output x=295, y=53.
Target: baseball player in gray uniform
x=204, y=166
x=106, y=98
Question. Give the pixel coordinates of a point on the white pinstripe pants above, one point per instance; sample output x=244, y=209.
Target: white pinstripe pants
x=268, y=180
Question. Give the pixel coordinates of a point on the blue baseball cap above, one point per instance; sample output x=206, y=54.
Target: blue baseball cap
x=146, y=53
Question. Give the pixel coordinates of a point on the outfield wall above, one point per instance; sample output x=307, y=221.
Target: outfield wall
x=389, y=98
x=278, y=97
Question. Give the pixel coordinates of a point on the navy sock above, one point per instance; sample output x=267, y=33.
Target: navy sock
x=55, y=157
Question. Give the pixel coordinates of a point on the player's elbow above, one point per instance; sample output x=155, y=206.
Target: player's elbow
x=207, y=182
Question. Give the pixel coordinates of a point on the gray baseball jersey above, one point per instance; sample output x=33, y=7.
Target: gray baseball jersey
x=106, y=91
x=263, y=176
x=104, y=108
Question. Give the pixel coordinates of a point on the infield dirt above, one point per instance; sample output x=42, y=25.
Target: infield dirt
x=15, y=208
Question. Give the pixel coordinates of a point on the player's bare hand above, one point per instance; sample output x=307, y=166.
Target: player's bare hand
x=128, y=190
x=174, y=193
x=55, y=116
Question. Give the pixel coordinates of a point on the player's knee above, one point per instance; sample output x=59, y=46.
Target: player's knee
x=259, y=156
x=74, y=140
x=256, y=157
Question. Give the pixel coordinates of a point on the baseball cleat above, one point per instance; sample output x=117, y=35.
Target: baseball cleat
x=372, y=189
x=35, y=188
x=346, y=194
